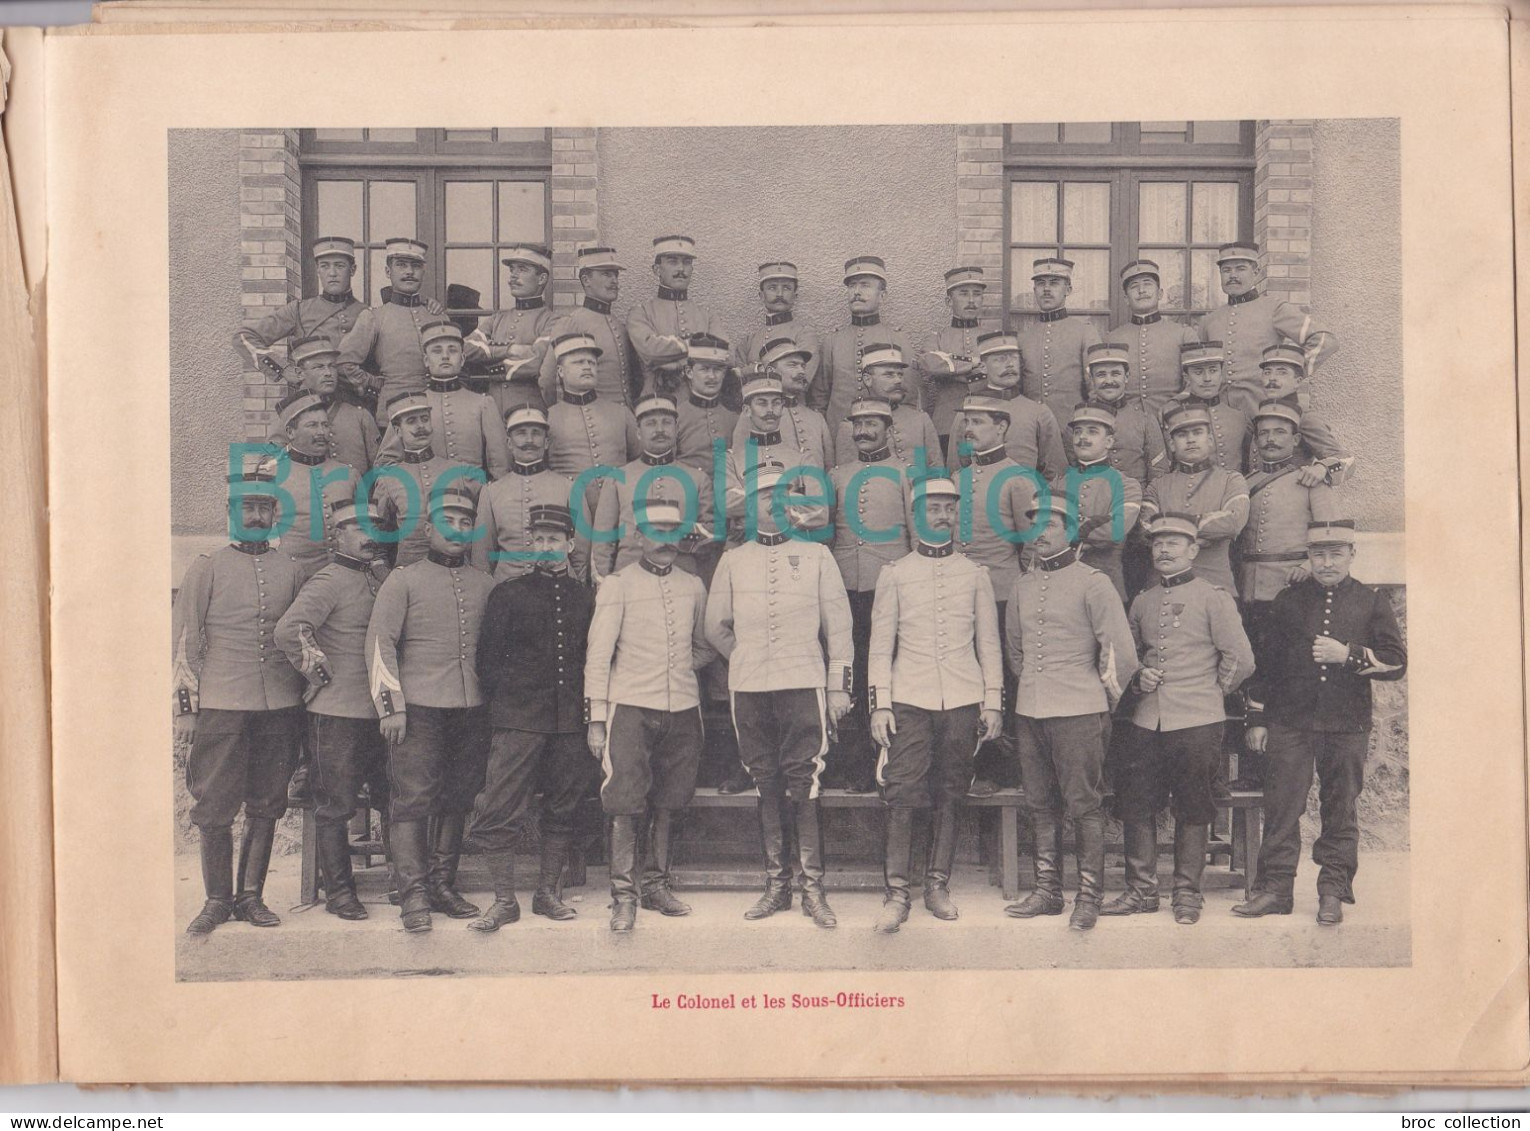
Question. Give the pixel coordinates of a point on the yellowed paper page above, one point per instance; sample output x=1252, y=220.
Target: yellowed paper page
x=28, y=1050
x=861, y=138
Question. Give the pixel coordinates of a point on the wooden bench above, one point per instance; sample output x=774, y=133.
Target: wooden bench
x=1246, y=808
x=1004, y=860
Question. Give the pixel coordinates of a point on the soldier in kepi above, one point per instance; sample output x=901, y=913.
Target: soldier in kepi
x=352, y=430
x=1194, y=653
x=531, y=667
x=323, y=634
x=661, y=326
x=315, y=482
x=512, y=343
x=778, y=614
x=1071, y=648
x=237, y=699
x=330, y=314
x=421, y=648
x=1251, y=322
x=646, y=641
x=1326, y=639
x=937, y=687
x=381, y=356
x=871, y=531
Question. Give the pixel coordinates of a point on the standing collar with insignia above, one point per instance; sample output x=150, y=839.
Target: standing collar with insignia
x=424, y=455
x=1145, y=319
x=595, y=304
x=672, y=295
x=765, y=439
x=554, y=570
x=770, y=537
x=935, y=550
x=1081, y=465
x=865, y=319
x=579, y=398
x=778, y=319
x=992, y=455
x=252, y=548
x=656, y=570
x=1059, y=560
x=1291, y=460
x=304, y=458
x=535, y=468
x=994, y=391
x=1210, y=402
x=450, y=561
x=537, y=302
x=1193, y=468
x=964, y=323
x=445, y=384
x=873, y=457
x=1179, y=578
x=338, y=300
x=1247, y=296
x=405, y=300
x=351, y=563
x=1330, y=590
x=661, y=460
x=1053, y=315
x=705, y=402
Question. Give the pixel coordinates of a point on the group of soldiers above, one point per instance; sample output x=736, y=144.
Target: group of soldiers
x=518, y=552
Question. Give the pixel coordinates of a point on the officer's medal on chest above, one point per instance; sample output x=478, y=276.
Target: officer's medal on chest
x=795, y=561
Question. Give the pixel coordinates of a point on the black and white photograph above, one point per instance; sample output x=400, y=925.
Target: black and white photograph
x=816, y=548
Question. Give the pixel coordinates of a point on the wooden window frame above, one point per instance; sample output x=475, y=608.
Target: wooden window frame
x=430, y=162
x=1126, y=162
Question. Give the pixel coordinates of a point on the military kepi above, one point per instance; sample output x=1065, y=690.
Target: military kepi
x=871, y=265
x=573, y=343
x=551, y=516
x=306, y=349
x=402, y=247
x=1336, y=531
x=334, y=245
x=1174, y=522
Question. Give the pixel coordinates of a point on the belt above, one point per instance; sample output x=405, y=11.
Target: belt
x=1289, y=556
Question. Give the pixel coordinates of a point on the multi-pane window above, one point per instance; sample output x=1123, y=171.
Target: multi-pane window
x=467, y=193
x=1104, y=193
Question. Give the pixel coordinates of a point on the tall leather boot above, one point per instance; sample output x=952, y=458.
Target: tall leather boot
x=897, y=853
x=815, y=904
x=937, y=873
x=623, y=856
x=1141, y=894
x=254, y=860
x=504, y=909
x=1046, y=898
x=335, y=864
x=1089, y=834
x=778, y=873
x=410, y=853
x=386, y=827
x=217, y=849
x=445, y=852
x=1189, y=866
x=657, y=895
x=548, y=899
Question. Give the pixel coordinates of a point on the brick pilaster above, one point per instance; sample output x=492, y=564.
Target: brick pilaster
x=980, y=208
x=575, y=206
x=1283, y=205
x=270, y=250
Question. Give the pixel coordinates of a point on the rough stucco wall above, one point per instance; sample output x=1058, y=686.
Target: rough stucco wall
x=206, y=393
x=815, y=196
x=1357, y=292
